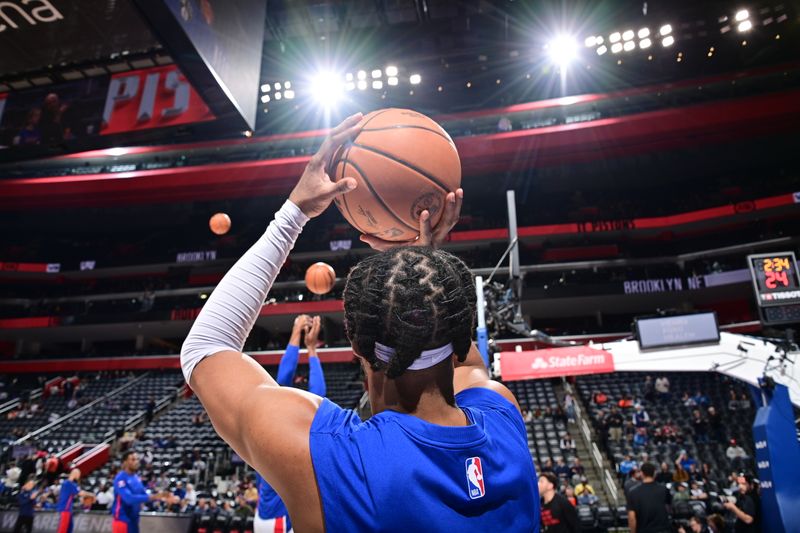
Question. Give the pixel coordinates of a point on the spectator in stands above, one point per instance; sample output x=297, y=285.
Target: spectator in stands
x=697, y=524
x=662, y=388
x=104, y=496
x=150, y=410
x=567, y=445
x=576, y=469
x=687, y=400
x=672, y=432
x=569, y=494
x=626, y=466
x=699, y=426
x=648, y=389
x=557, y=514
x=600, y=398
x=640, y=439
x=547, y=466
x=705, y=474
x=716, y=524
x=12, y=475
x=626, y=402
x=585, y=493
x=700, y=399
x=715, y=424
x=561, y=469
x=629, y=431
x=680, y=475
x=696, y=492
x=685, y=460
x=569, y=406
x=649, y=505
x=681, y=492
x=733, y=400
x=640, y=418
x=614, y=421
x=744, y=401
x=747, y=508
x=664, y=476
x=559, y=415
x=736, y=455
x=26, y=500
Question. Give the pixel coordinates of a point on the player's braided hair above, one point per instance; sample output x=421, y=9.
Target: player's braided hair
x=412, y=299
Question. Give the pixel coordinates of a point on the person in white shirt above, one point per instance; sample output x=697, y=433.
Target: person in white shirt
x=191, y=494
x=736, y=455
x=662, y=388
x=105, y=496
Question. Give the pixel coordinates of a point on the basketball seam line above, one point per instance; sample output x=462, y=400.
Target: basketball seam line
x=378, y=197
x=347, y=152
x=416, y=169
x=344, y=196
x=404, y=126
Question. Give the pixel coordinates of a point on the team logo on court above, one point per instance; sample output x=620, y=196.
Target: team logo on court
x=475, y=485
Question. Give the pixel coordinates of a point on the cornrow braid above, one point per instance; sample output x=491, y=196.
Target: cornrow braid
x=412, y=299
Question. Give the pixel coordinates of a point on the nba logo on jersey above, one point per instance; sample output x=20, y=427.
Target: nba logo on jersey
x=475, y=485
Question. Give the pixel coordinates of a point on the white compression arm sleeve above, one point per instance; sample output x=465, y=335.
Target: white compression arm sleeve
x=230, y=312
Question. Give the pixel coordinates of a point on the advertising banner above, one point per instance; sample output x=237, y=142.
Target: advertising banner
x=553, y=362
x=47, y=522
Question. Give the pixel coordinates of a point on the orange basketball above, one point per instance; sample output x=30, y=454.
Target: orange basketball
x=404, y=163
x=220, y=223
x=320, y=278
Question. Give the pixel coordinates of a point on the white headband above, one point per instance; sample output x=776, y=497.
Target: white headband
x=426, y=359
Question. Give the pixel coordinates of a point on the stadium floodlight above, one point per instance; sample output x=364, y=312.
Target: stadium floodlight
x=392, y=81
x=614, y=37
x=645, y=43
x=362, y=85
x=349, y=86
x=599, y=40
x=745, y=25
x=562, y=50
x=287, y=85
x=669, y=40
x=348, y=76
x=264, y=98
x=278, y=86
x=627, y=35
x=278, y=96
x=266, y=88
x=601, y=49
x=391, y=71
x=377, y=84
x=741, y=15
x=376, y=73
x=362, y=74
x=415, y=79
x=116, y=151
x=629, y=46
x=666, y=29
x=326, y=88
x=644, y=32
x=590, y=41
x=288, y=94
x=616, y=48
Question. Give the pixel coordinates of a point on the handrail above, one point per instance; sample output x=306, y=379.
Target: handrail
x=69, y=416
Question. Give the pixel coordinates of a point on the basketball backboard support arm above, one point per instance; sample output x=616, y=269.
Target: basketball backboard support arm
x=514, y=275
x=482, y=335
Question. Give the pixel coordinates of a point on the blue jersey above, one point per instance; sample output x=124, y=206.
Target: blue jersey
x=25, y=502
x=129, y=495
x=270, y=504
x=69, y=489
x=396, y=472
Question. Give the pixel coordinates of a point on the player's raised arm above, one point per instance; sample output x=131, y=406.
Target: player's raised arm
x=247, y=407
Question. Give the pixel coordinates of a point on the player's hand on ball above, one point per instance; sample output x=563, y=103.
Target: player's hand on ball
x=312, y=333
x=427, y=236
x=301, y=323
x=315, y=191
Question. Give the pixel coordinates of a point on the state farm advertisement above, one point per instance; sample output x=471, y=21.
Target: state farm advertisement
x=151, y=98
x=554, y=362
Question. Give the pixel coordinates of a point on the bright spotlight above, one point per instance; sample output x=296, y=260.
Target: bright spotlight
x=741, y=15
x=599, y=40
x=287, y=85
x=117, y=151
x=627, y=35
x=377, y=84
x=602, y=50
x=666, y=29
x=415, y=79
x=629, y=46
x=278, y=86
x=614, y=37
x=392, y=81
x=265, y=88
x=348, y=76
x=562, y=50
x=362, y=85
x=616, y=48
x=376, y=73
x=326, y=88
x=590, y=41
x=264, y=98
x=349, y=86
x=288, y=94
x=745, y=25
x=278, y=96
x=644, y=32
x=668, y=40
x=391, y=71
x=362, y=74
x=645, y=43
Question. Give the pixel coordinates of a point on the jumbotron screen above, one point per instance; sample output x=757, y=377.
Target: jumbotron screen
x=775, y=278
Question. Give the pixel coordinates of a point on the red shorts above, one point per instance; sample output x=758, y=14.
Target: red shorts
x=118, y=526
x=65, y=522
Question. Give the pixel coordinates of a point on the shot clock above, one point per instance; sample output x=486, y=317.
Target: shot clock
x=777, y=287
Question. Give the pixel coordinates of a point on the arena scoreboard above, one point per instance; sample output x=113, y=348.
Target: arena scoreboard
x=777, y=286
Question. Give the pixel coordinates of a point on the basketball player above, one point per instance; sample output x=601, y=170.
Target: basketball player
x=271, y=515
x=129, y=495
x=70, y=488
x=446, y=449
